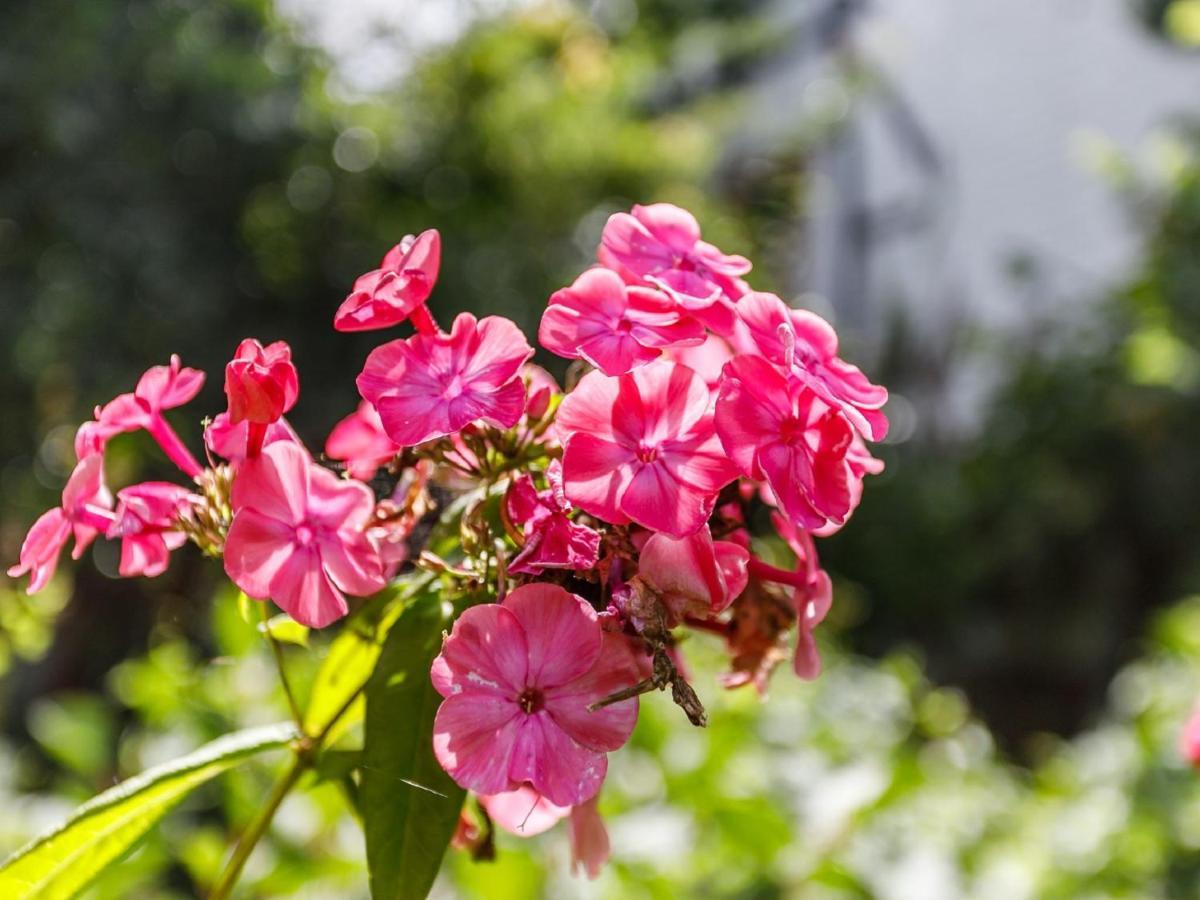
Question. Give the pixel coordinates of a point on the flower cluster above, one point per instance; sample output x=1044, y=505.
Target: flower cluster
x=590, y=527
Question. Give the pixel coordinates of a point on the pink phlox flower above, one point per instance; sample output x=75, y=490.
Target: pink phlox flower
x=775, y=428
x=518, y=678
x=590, y=848
x=86, y=512
x=159, y=389
x=661, y=243
x=802, y=342
x=432, y=385
x=707, y=359
x=261, y=382
x=1189, y=739
x=859, y=463
x=552, y=539
x=147, y=522
x=360, y=441
x=403, y=282
x=523, y=811
x=694, y=575
x=298, y=537
x=642, y=447
x=614, y=327
x=540, y=391
x=812, y=596
x=229, y=441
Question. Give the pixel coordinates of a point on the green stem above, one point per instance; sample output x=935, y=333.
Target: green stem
x=277, y=651
x=256, y=829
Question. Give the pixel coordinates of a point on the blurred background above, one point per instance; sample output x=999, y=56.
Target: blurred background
x=997, y=204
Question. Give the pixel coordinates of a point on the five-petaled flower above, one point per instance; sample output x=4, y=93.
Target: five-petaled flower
x=298, y=536
x=432, y=385
x=148, y=524
x=642, y=448
x=518, y=678
x=613, y=326
x=396, y=290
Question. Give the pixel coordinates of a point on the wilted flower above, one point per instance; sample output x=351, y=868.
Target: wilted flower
x=551, y=539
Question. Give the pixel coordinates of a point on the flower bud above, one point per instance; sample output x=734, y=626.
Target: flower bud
x=261, y=382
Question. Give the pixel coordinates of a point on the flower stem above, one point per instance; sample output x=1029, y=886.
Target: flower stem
x=173, y=446
x=422, y=320
x=256, y=829
x=277, y=651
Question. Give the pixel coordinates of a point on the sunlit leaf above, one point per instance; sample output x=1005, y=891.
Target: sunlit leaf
x=409, y=806
x=64, y=861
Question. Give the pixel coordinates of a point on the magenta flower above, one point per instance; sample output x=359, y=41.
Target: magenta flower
x=812, y=593
x=1189, y=740
x=86, y=512
x=361, y=443
x=399, y=287
x=298, y=536
x=777, y=429
x=614, y=327
x=261, y=382
x=147, y=522
x=230, y=441
x=804, y=343
x=159, y=389
x=694, y=575
x=642, y=447
x=661, y=244
x=431, y=385
x=518, y=678
x=552, y=540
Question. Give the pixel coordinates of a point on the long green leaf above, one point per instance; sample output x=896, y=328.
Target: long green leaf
x=350, y=662
x=64, y=861
x=409, y=806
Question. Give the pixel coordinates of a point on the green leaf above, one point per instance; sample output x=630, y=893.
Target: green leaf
x=351, y=660
x=409, y=806
x=285, y=629
x=64, y=861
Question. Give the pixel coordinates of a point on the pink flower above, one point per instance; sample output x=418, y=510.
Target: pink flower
x=400, y=286
x=230, y=441
x=1189, y=740
x=694, y=575
x=590, y=848
x=86, y=512
x=642, y=447
x=527, y=813
x=523, y=811
x=147, y=522
x=812, y=594
x=614, y=327
x=518, y=678
x=552, y=540
x=804, y=343
x=661, y=244
x=432, y=385
x=777, y=429
x=261, y=382
x=159, y=389
x=297, y=536
x=360, y=441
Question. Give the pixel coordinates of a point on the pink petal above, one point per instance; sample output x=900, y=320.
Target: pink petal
x=473, y=739
x=558, y=767
x=596, y=474
x=275, y=483
x=590, y=848
x=673, y=225
x=609, y=727
x=561, y=631
x=256, y=548
x=658, y=501
x=523, y=811
x=41, y=548
x=590, y=409
x=486, y=653
x=303, y=590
